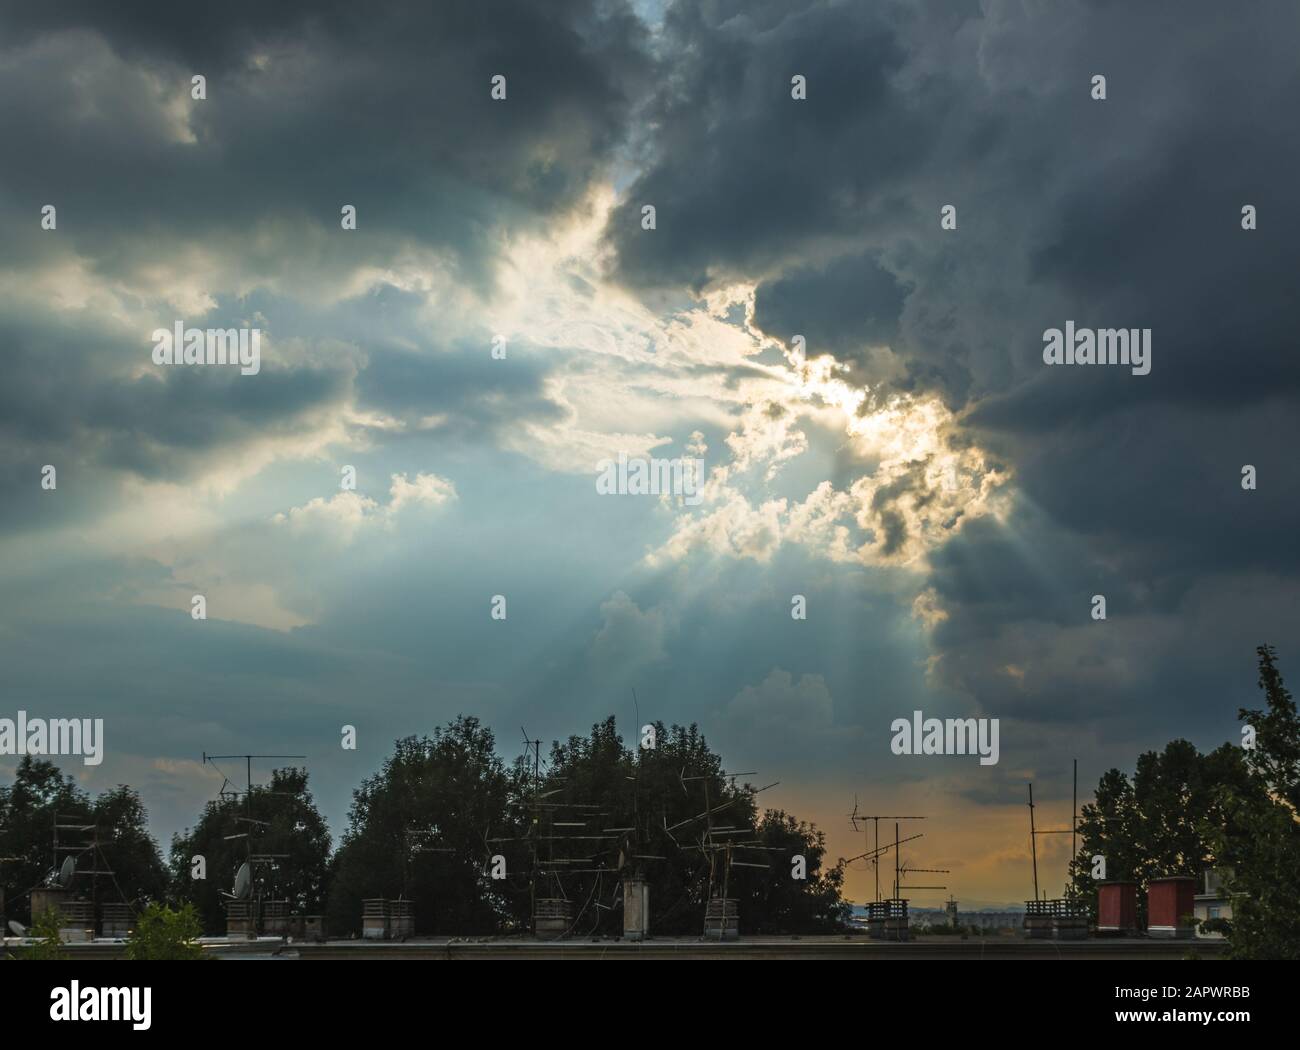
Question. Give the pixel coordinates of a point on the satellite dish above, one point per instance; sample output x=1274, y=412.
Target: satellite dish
x=243, y=881
x=66, y=872
x=19, y=929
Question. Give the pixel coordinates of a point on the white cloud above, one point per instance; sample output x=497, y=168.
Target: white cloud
x=920, y=490
x=643, y=380
x=782, y=707
x=342, y=516
x=426, y=490
x=630, y=637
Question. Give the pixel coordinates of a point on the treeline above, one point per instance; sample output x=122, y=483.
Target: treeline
x=443, y=816
x=1236, y=809
x=445, y=813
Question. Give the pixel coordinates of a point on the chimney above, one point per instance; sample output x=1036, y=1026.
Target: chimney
x=636, y=909
x=1117, y=907
x=1170, y=901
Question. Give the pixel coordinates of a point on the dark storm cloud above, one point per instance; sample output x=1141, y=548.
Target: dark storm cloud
x=997, y=580
x=386, y=108
x=1117, y=213
x=1127, y=208
x=153, y=424
x=841, y=307
x=72, y=400
x=743, y=179
x=749, y=183
x=237, y=199
x=477, y=396
x=218, y=32
x=1156, y=486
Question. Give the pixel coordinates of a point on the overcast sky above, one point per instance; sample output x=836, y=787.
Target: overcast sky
x=946, y=503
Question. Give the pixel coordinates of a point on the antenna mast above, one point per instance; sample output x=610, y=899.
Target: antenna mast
x=248, y=819
x=1072, y=831
x=1033, y=839
x=873, y=854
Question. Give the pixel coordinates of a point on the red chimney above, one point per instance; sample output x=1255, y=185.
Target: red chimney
x=1169, y=900
x=1117, y=907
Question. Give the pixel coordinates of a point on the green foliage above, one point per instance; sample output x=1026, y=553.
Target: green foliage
x=773, y=902
x=1223, y=926
x=1257, y=844
x=131, y=852
x=643, y=790
x=166, y=933
x=428, y=825
x=289, y=823
x=1275, y=759
x=448, y=792
x=48, y=944
x=1156, y=825
x=661, y=793
x=27, y=808
x=1236, y=809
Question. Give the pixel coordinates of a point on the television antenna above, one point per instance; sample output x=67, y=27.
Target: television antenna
x=719, y=843
x=82, y=849
x=572, y=829
x=906, y=869
x=243, y=885
x=1072, y=830
x=874, y=854
x=7, y=860
x=79, y=845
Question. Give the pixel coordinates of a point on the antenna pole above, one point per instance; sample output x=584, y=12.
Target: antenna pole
x=534, y=831
x=873, y=854
x=1033, y=839
x=1074, y=821
x=897, y=880
x=875, y=862
x=248, y=793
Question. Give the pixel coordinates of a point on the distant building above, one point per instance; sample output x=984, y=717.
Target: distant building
x=1213, y=902
x=991, y=921
x=986, y=921
x=936, y=920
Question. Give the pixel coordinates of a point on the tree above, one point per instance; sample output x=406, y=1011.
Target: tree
x=49, y=943
x=166, y=933
x=1257, y=842
x=1108, y=826
x=1274, y=761
x=28, y=806
x=444, y=813
x=1236, y=809
x=286, y=821
x=130, y=852
x=420, y=828
x=661, y=794
x=782, y=904
x=1155, y=825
